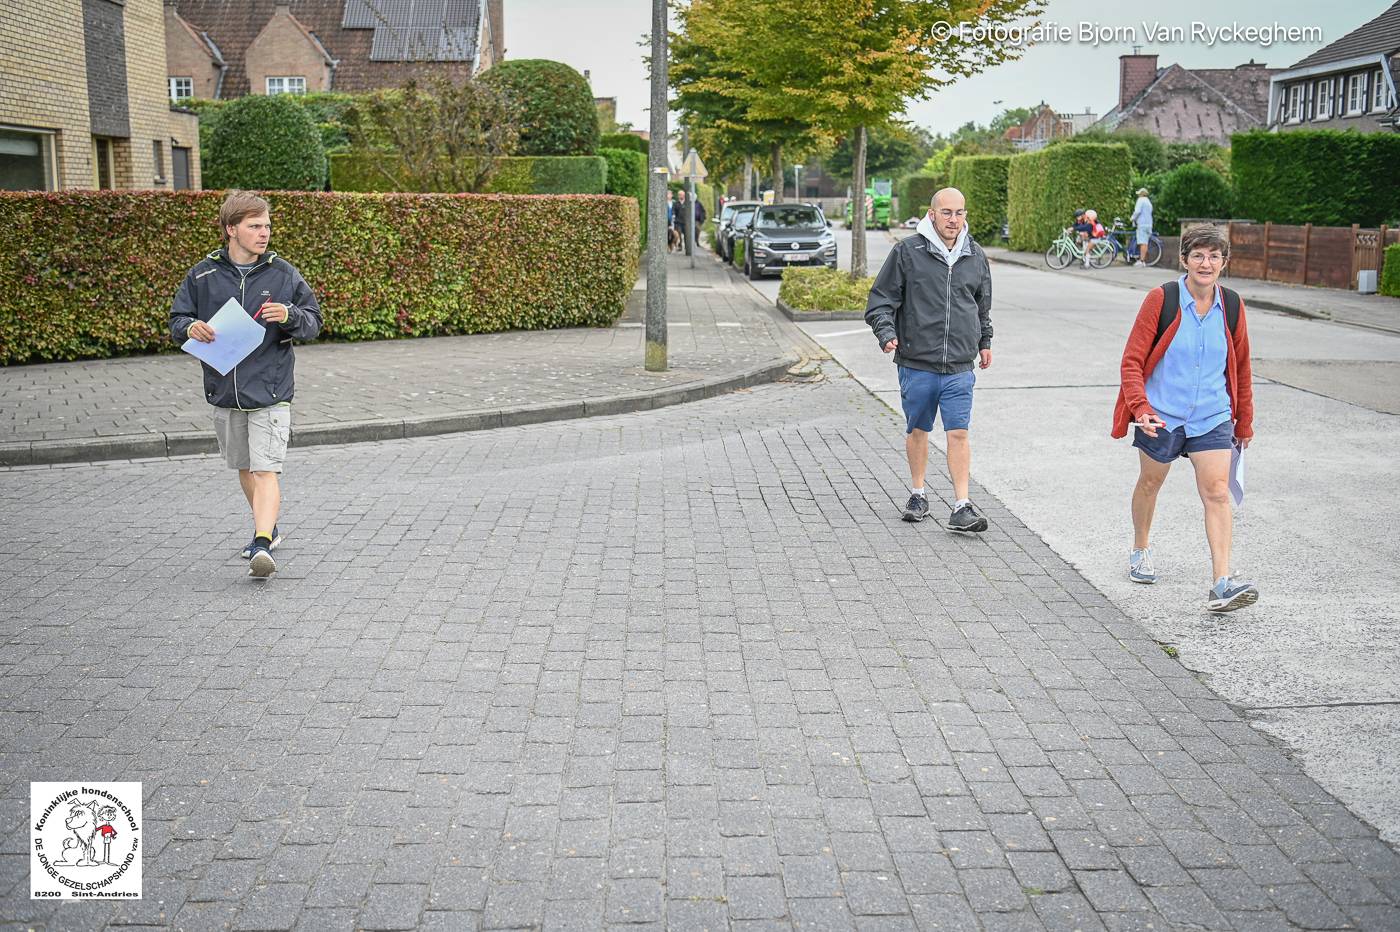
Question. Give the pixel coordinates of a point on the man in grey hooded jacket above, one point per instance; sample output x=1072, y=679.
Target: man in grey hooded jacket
x=931, y=306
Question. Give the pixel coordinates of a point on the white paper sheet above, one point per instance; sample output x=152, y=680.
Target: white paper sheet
x=1237, y=474
x=236, y=334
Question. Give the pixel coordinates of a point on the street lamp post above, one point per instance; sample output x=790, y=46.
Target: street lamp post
x=656, y=195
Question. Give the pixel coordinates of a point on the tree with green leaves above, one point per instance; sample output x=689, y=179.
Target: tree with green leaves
x=442, y=136
x=895, y=148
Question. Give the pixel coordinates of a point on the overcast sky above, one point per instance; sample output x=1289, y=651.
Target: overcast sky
x=605, y=36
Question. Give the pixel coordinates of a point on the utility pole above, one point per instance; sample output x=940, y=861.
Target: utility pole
x=689, y=195
x=656, y=194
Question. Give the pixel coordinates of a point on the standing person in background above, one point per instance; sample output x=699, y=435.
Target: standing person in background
x=1186, y=389
x=252, y=404
x=1142, y=219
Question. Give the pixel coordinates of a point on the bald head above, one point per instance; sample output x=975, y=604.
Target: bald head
x=948, y=213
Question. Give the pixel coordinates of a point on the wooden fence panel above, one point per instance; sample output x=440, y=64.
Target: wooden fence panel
x=1330, y=257
x=1246, y=250
x=1287, y=245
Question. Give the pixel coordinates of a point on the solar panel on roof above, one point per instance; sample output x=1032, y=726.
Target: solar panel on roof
x=417, y=30
x=358, y=15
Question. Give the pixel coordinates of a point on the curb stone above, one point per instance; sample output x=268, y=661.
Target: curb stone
x=795, y=315
x=185, y=443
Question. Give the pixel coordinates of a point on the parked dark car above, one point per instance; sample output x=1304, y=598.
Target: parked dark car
x=729, y=221
x=785, y=235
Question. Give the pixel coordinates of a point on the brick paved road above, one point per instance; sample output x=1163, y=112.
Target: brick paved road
x=683, y=667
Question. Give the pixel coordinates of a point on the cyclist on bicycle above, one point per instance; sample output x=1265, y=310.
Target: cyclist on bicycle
x=1087, y=226
x=1142, y=217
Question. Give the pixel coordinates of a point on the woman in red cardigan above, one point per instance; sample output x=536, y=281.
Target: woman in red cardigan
x=1186, y=389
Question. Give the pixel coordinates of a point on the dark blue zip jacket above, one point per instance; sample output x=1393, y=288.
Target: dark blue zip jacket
x=265, y=377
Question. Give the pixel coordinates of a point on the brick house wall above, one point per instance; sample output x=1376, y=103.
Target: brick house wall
x=187, y=56
x=284, y=48
x=44, y=73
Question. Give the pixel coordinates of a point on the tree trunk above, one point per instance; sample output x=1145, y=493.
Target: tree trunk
x=858, y=206
x=748, y=177
x=777, y=173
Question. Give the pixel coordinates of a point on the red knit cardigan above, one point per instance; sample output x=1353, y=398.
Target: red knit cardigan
x=1140, y=357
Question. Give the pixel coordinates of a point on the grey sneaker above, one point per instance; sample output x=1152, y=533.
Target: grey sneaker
x=1229, y=594
x=967, y=518
x=1140, y=568
x=260, y=564
x=916, y=509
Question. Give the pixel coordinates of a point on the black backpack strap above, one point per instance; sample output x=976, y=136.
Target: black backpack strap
x=1232, y=308
x=1171, y=305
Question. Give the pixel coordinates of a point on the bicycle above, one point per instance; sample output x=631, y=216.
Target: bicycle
x=1066, y=249
x=1130, y=250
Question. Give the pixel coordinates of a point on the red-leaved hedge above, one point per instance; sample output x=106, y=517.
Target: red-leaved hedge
x=91, y=274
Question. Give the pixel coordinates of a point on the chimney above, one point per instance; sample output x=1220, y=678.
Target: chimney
x=1135, y=73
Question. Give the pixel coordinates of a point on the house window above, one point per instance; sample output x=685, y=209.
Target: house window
x=286, y=85
x=104, y=161
x=1356, y=94
x=1295, y=103
x=1324, y=99
x=181, y=88
x=1378, y=90
x=26, y=160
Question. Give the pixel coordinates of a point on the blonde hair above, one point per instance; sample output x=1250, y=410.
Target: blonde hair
x=237, y=207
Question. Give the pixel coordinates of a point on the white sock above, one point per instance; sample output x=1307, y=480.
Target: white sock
x=961, y=502
x=919, y=491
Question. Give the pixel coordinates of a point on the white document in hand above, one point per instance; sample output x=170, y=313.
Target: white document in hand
x=235, y=336
x=1237, y=473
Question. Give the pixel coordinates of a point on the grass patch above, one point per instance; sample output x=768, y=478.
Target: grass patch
x=823, y=290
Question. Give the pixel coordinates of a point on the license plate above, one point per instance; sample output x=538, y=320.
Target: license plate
x=796, y=257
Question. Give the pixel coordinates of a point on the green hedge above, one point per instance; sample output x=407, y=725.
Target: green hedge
x=1044, y=189
x=1190, y=190
x=627, y=177
x=823, y=290
x=1390, y=275
x=92, y=274
x=554, y=106
x=629, y=141
x=515, y=174
x=267, y=143
x=915, y=191
x=982, y=180
x=1323, y=177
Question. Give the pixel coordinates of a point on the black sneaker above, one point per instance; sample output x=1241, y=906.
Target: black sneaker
x=967, y=518
x=916, y=509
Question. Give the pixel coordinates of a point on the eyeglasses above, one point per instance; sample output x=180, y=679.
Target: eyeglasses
x=947, y=214
x=1199, y=258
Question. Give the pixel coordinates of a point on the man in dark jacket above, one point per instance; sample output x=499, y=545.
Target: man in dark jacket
x=252, y=404
x=931, y=306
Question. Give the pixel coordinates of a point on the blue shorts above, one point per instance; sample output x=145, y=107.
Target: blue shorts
x=1142, y=235
x=1168, y=445
x=924, y=394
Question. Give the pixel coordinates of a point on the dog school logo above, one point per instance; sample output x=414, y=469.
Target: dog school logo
x=86, y=841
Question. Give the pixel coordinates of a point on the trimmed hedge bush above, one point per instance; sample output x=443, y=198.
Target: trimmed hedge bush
x=268, y=143
x=554, y=106
x=629, y=141
x=1044, y=189
x=823, y=290
x=1190, y=190
x=576, y=174
x=1323, y=177
x=1390, y=275
x=627, y=177
x=915, y=191
x=982, y=180
x=92, y=274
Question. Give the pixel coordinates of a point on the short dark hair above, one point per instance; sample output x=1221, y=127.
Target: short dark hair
x=1205, y=236
x=237, y=207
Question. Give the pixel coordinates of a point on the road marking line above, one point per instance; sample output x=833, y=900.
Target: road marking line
x=842, y=333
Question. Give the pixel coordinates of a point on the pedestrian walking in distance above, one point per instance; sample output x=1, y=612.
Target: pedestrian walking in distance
x=931, y=306
x=1142, y=221
x=252, y=404
x=1186, y=389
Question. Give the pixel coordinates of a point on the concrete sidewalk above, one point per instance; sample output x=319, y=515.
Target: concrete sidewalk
x=721, y=336
x=1376, y=312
